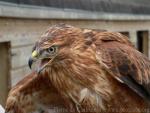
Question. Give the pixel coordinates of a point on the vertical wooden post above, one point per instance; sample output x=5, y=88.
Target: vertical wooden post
x=4, y=71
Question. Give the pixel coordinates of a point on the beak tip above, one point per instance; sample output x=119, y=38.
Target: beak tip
x=30, y=62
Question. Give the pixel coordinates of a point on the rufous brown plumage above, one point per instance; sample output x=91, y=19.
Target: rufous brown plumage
x=83, y=70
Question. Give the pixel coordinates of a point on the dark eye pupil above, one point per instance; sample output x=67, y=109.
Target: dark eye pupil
x=51, y=49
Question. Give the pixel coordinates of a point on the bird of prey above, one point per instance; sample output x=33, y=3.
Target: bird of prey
x=83, y=71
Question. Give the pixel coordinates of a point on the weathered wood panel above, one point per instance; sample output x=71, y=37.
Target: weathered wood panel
x=20, y=56
x=20, y=32
x=18, y=74
x=4, y=71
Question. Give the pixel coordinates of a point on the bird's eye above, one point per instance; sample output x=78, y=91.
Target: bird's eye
x=51, y=49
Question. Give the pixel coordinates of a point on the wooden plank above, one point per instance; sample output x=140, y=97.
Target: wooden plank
x=21, y=32
x=20, y=56
x=19, y=41
x=18, y=74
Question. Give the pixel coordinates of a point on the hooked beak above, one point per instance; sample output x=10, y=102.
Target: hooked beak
x=30, y=62
x=32, y=59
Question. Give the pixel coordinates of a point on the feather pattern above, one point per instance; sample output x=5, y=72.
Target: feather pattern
x=93, y=71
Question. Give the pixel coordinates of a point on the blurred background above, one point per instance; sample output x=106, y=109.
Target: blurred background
x=23, y=21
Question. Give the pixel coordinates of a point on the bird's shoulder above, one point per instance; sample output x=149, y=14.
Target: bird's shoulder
x=118, y=56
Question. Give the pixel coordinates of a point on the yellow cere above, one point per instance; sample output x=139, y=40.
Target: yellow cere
x=34, y=54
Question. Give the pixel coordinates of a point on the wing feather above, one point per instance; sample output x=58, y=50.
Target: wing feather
x=34, y=94
x=124, y=62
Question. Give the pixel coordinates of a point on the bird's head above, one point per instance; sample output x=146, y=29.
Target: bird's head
x=55, y=46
